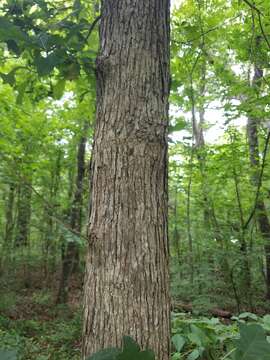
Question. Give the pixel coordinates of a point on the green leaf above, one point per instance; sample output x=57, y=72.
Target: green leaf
x=198, y=336
x=8, y=354
x=252, y=343
x=194, y=355
x=266, y=322
x=71, y=71
x=8, y=78
x=13, y=47
x=178, y=341
x=181, y=124
x=77, y=5
x=246, y=315
x=45, y=65
x=131, y=351
x=107, y=354
x=59, y=88
x=130, y=345
x=21, y=91
x=9, y=31
x=146, y=355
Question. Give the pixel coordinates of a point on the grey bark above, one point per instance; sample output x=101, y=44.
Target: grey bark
x=127, y=277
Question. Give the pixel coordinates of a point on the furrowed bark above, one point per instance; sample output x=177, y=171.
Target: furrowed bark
x=127, y=277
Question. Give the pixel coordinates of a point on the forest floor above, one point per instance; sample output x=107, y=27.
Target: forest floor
x=33, y=325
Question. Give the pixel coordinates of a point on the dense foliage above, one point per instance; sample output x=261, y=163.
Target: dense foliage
x=219, y=175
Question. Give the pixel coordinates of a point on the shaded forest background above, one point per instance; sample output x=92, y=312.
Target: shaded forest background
x=219, y=199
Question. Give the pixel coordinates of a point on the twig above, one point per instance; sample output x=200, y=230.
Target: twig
x=252, y=6
x=229, y=353
x=260, y=14
x=55, y=216
x=92, y=27
x=208, y=31
x=48, y=206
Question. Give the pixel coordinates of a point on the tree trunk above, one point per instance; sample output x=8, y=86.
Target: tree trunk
x=50, y=235
x=9, y=217
x=24, y=214
x=189, y=230
x=261, y=214
x=9, y=227
x=70, y=260
x=127, y=276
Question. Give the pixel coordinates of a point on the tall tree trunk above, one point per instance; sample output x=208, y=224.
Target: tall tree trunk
x=245, y=274
x=24, y=214
x=50, y=234
x=189, y=230
x=210, y=219
x=9, y=227
x=9, y=217
x=261, y=214
x=176, y=235
x=71, y=256
x=127, y=276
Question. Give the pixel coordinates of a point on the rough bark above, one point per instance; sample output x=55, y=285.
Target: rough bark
x=127, y=279
x=70, y=260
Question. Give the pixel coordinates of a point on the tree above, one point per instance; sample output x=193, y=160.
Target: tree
x=127, y=281
x=71, y=256
x=254, y=154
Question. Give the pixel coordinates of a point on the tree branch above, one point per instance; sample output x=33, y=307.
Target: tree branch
x=92, y=27
x=260, y=14
x=259, y=182
x=252, y=6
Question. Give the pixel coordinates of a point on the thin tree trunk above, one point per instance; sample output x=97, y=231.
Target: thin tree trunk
x=210, y=219
x=50, y=234
x=127, y=277
x=9, y=227
x=176, y=235
x=70, y=260
x=247, y=280
x=189, y=232
x=24, y=214
x=261, y=214
x=9, y=217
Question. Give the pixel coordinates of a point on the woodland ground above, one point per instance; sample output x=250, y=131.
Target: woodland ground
x=32, y=323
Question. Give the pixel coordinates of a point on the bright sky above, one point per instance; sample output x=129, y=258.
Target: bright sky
x=175, y=3
x=214, y=117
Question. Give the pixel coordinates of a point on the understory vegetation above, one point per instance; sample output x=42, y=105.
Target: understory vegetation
x=219, y=178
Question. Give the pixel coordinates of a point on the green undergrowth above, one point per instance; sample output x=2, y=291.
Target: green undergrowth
x=244, y=337
x=54, y=339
